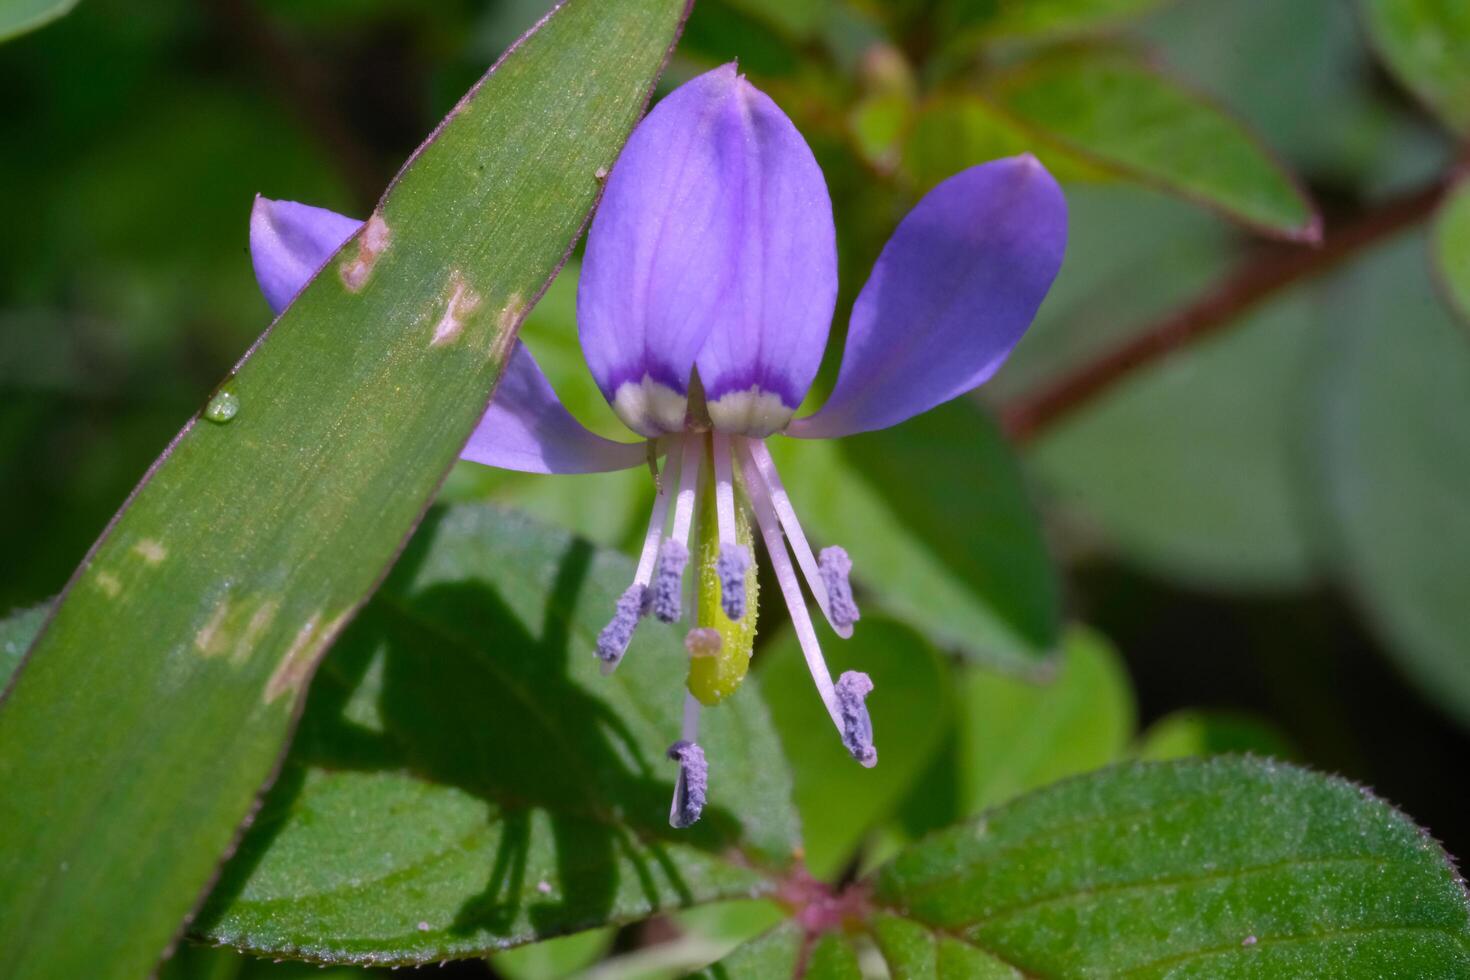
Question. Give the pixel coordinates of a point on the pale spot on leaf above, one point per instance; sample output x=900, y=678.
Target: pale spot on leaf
x=461, y=303
x=108, y=583
x=211, y=639
x=300, y=658
x=151, y=551
x=371, y=244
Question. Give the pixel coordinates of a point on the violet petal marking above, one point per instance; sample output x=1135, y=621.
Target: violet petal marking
x=666, y=593
x=853, y=687
x=731, y=565
x=289, y=242
x=834, y=566
x=613, y=641
x=950, y=295
x=767, y=335
x=660, y=253
x=692, y=786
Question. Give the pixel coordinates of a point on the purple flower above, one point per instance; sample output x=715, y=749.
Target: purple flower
x=704, y=305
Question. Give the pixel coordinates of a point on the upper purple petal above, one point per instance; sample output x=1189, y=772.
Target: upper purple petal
x=660, y=251
x=952, y=292
x=766, y=339
x=525, y=428
x=289, y=242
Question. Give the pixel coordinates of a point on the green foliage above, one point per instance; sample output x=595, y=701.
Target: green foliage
x=1452, y=248
x=773, y=954
x=1393, y=463
x=937, y=521
x=199, y=617
x=1229, y=867
x=1426, y=43
x=839, y=800
x=1189, y=733
x=19, y=17
x=1111, y=108
x=1042, y=18
x=1192, y=466
x=515, y=792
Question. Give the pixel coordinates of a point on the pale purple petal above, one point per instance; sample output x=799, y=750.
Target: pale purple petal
x=289, y=242
x=659, y=254
x=766, y=339
x=952, y=292
x=526, y=428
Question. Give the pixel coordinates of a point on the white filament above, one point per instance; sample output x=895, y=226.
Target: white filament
x=761, y=456
x=724, y=490
x=801, y=620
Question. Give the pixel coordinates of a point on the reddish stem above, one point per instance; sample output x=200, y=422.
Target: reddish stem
x=1255, y=279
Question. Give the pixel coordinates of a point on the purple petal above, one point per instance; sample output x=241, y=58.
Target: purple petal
x=526, y=428
x=289, y=242
x=953, y=291
x=658, y=263
x=766, y=338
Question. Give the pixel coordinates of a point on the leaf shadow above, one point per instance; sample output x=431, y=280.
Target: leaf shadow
x=448, y=684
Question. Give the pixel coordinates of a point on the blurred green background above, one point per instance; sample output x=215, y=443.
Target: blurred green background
x=1269, y=526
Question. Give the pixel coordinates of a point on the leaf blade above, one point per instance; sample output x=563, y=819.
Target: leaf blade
x=1251, y=864
x=516, y=793
x=1108, y=106
x=1426, y=43
x=264, y=534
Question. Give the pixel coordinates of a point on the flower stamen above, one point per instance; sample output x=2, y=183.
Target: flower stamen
x=633, y=605
x=692, y=785
x=734, y=559
x=666, y=597
x=853, y=688
x=834, y=567
x=801, y=620
x=760, y=455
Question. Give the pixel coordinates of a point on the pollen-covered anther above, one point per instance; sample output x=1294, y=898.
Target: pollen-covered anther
x=835, y=566
x=703, y=642
x=731, y=565
x=853, y=688
x=692, y=785
x=613, y=641
x=668, y=579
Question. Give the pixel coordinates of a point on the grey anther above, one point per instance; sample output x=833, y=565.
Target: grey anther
x=731, y=566
x=853, y=688
x=692, y=785
x=834, y=566
x=613, y=641
x=668, y=579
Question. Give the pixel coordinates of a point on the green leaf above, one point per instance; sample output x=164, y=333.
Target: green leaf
x=954, y=131
x=1452, y=248
x=703, y=935
x=1426, y=43
x=913, y=952
x=1191, y=468
x=514, y=792
x=1227, y=867
x=1015, y=736
x=19, y=17
x=1109, y=107
x=1392, y=455
x=1045, y=18
x=839, y=800
x=179, y=651
x=774, y=954
x=1011, y=735
x=553, y=959
x=832, y=957
x=1188, y=733
x=937, y=520
x=17, y=632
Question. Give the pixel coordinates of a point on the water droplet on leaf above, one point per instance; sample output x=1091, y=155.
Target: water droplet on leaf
x=224, y=406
